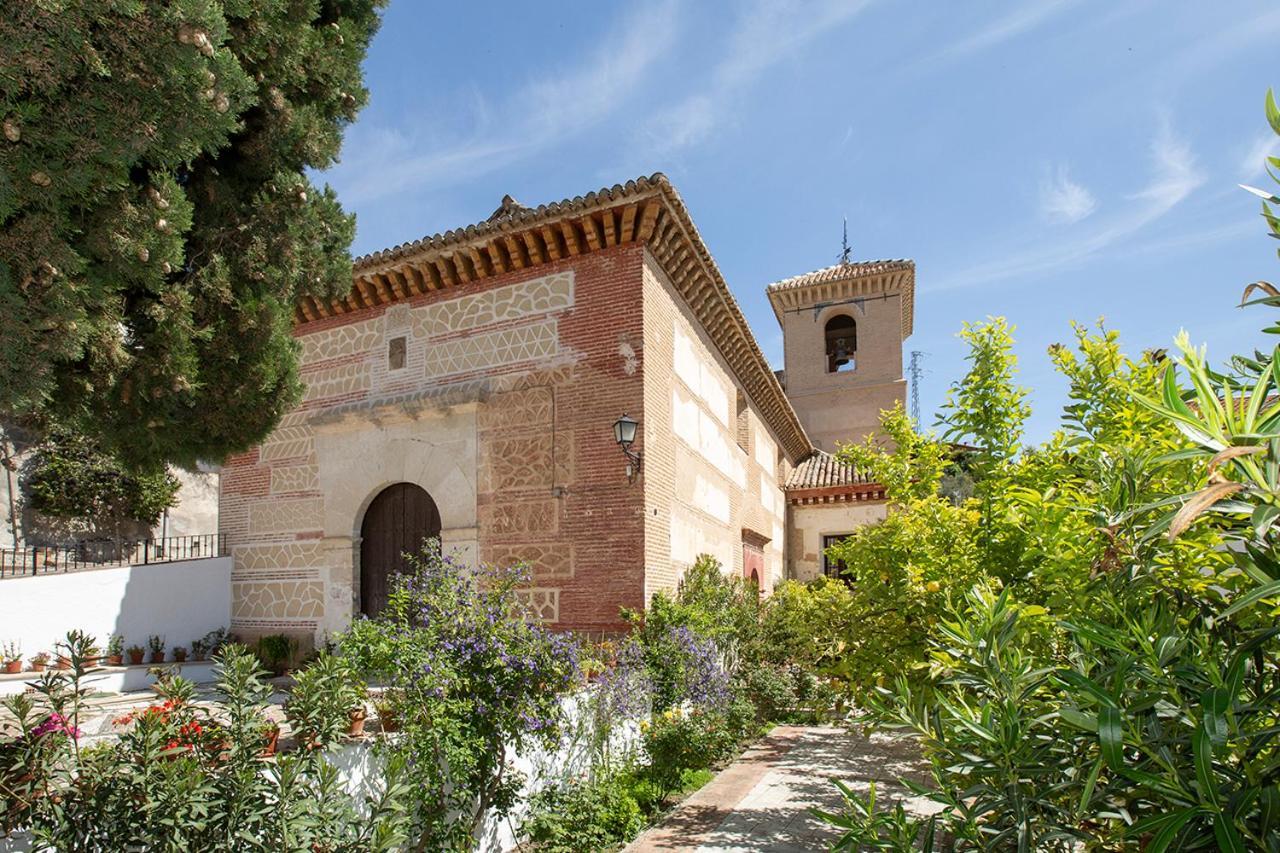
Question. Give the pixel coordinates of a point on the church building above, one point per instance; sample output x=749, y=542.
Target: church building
x=573, y=386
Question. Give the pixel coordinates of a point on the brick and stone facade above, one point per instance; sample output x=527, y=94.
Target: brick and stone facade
x=487, y=367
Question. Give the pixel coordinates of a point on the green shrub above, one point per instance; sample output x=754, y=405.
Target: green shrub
x=325, y=693
x=676, y=741
x=584, y=814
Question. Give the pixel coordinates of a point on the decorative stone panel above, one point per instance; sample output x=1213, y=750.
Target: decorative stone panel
x=343, y=340
x=521, y=462
x=481, y=352
x=256, y=558
x=548, y=561
x=527, y=407
x=292, y=439
x=286, y=516
x=526, y=299
x=511, y=518
x=293, y=478
x=540, y=604
x=297, y=599
x=336, y=381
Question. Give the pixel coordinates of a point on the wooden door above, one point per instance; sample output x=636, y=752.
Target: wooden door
x=399, y=518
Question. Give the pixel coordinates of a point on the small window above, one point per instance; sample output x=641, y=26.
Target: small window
x=833, y=568
x=842, y=344
x=395, y=353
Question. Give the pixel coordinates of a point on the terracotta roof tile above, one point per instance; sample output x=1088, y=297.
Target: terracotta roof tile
x=856, y=269
x=823, y=470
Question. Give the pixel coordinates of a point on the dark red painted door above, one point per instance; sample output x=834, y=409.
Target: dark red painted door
x=753, y=566
x=399, y=518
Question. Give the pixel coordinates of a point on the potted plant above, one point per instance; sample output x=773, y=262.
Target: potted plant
x=384, y=705
x=179, y=654
x=136, y=654
x=199, y=650
x=215, y=640
x=276, y=651
x=156, y=643
x=115, y=650
x=39, y=661
x=92, y=653
x=63, y=662
x=12, y=657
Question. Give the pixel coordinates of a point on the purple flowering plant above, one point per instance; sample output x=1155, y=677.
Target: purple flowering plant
x=475, y=680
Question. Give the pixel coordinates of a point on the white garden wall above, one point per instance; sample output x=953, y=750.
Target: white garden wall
x=181, y=601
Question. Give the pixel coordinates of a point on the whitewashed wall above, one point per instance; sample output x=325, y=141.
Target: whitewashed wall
x=361, y=767
x=181, y=600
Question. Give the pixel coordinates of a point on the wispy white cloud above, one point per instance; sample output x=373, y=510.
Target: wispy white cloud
x=383, y=161
x=1026, y=16
x=1064, y=201
x=768, y=32
x=1254, y=161
x=1174, y=177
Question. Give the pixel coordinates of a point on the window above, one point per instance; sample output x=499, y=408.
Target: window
x=395, y=353
x=842, y=343
x=832, y=568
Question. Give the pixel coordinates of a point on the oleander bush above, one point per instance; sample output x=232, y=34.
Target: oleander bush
x=181, y=775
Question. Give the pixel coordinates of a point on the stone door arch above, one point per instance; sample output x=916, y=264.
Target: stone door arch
x=397, y=520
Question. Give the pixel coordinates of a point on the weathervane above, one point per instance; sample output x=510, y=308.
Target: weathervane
x=844, y=246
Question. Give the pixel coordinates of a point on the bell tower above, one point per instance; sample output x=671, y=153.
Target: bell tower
x=842, y=332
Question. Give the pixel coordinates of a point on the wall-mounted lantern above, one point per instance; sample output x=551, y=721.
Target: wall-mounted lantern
x=624, y=432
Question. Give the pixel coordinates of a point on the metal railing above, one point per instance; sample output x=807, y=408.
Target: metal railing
x=107, y=553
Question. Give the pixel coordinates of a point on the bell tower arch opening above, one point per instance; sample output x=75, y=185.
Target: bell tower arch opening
x=841, y=335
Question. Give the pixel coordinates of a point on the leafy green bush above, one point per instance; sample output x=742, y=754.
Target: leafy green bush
x=472, y=682
x=324, y=696
x=676, y=741
x=584, y=814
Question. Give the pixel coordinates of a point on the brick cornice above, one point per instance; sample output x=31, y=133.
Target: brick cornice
x=646, y=210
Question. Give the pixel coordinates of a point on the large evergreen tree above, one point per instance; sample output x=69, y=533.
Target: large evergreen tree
x=156, y=220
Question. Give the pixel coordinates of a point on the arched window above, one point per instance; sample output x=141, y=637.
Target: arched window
x=842, y=343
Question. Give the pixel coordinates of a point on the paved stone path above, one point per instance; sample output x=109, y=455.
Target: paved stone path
x=761, y=801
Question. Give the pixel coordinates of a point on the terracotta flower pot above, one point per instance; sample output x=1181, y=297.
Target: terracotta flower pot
x=157, y=657
x=135, y=658
x=92, y=660
x=12, y=666
x=272, y=740
x=388, y=721
x=37, y=667
x=179, y=657
x=63, y=662
x=358, y=716
x=115, y=660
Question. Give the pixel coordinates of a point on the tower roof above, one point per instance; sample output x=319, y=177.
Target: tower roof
x=847, y=282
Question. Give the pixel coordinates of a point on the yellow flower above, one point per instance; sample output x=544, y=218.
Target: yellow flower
x=933, y=586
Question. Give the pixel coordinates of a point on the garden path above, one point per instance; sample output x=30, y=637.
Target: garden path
x=762, y=800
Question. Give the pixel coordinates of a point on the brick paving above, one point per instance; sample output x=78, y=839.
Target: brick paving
x=762, y=801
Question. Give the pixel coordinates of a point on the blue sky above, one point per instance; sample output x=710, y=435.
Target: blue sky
x=1048, y=162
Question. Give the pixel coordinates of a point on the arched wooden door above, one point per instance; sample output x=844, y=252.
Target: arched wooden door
x=400, y=517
